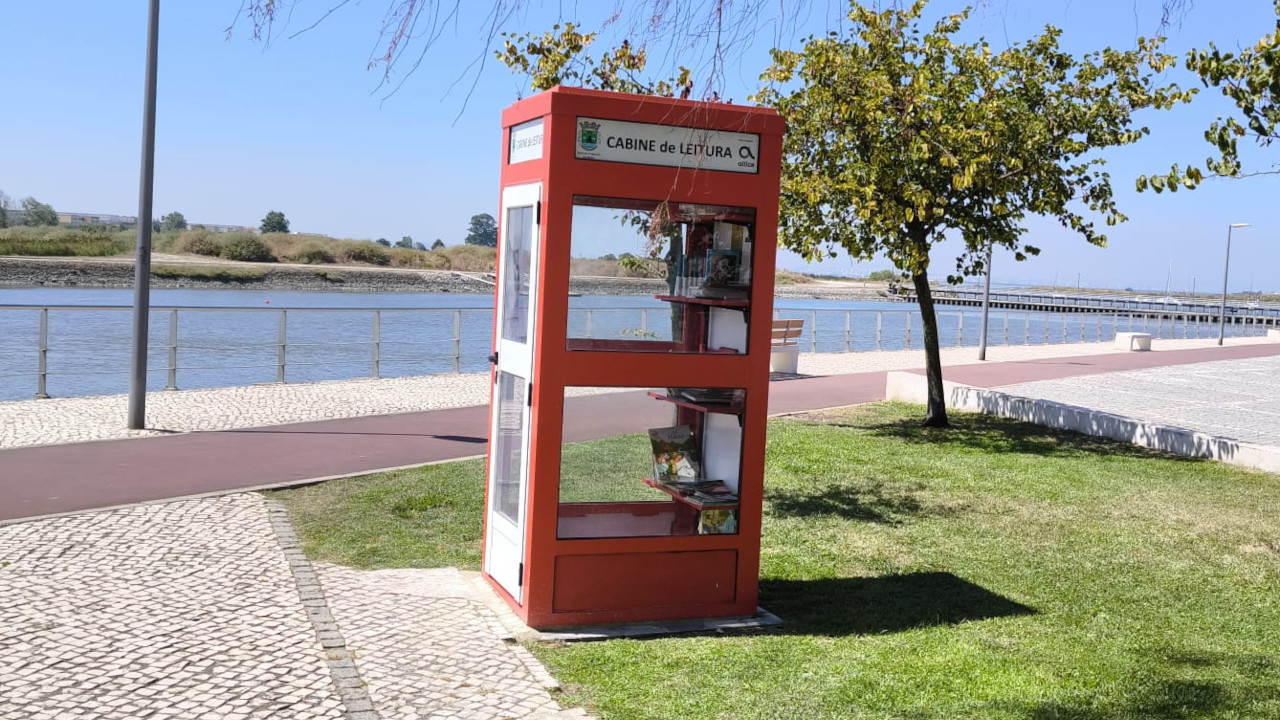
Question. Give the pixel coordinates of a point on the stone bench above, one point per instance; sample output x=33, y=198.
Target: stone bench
x=1133, y=341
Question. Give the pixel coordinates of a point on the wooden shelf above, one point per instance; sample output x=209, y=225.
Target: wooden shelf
x=723, y=409
x=734, y=303
x=678, y=496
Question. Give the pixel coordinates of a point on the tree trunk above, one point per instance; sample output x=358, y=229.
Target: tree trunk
x=936, y=413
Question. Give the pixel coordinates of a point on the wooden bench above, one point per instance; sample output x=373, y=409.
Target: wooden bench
x=784, y=351
x=1133, y=341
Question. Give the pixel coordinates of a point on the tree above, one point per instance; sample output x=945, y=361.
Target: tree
x=1250, y=79
x=383, y=242
x=36, y=213
x=5, y=204
x=438, y=244
x=483, y=230
x=275, y=222
x=419, y=246
x=173, y=222
x=405, y=242
x=897, y=136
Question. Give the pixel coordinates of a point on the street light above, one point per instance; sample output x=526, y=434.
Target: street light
x=1226, y=266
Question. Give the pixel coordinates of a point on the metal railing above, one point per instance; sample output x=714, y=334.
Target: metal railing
x=85, y=346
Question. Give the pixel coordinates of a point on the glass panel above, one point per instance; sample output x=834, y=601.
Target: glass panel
x=517, y=254
x=661, y=462
x=649, y=276
x=508, y=446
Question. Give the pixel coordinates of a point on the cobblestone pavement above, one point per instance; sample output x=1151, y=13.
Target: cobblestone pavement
x=201, y=609
x=184, y=610
x=62, y=420
x=1236, y=399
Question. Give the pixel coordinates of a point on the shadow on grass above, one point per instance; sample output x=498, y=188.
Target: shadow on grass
x=1000, y=435
x=893, y=603
x=872, y=503
x=1253, y=691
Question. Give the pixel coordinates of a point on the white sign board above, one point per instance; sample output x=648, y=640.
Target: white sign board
x=648, y=144
x=526, y=142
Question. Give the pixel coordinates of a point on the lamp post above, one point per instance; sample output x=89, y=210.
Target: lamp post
x=986, y=306
x=1226, y=267
x=137, y=412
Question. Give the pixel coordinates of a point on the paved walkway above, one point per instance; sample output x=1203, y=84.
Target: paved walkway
x=206, y=610
x=1234, y=399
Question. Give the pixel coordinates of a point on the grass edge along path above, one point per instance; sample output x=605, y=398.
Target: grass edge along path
x=993, y=570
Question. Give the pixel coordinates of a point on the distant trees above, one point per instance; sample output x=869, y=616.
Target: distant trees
x=5, y=204
x=275, y=222
x=483, y=230
x=405, y=242
x=383, y=242
x=173, y=222
x=36, y=213
x=419, y=246
x=438, y=244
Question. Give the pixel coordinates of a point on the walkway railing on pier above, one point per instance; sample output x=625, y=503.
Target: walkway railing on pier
x=83, y=350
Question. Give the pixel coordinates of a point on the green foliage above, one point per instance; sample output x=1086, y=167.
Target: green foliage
x=363, y=252
x=5, y=204
x=483, y=230
x=882, y=275
x=198, y=242
x=173, y=222
x=897, y=135
x=405, y=242
x=559, y=57
x=313, y=253
x=274, y=222
x=383, y=242
x=37, y=214
x=1251, y=80
x=53, y=241
x=438, y=244
x=244, y=247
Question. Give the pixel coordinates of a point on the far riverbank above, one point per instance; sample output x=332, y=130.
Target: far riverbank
x=181, y=272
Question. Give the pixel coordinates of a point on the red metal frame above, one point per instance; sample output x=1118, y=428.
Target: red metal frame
x=602, y=580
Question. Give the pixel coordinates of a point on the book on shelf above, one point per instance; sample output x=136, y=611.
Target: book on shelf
x=675, y=454
x=712, y=396
x=718, y=522
x=723, y=292
x=701, y=490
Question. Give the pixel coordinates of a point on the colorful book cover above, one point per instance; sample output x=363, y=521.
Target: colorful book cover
x=718, y=522
x=675, y=454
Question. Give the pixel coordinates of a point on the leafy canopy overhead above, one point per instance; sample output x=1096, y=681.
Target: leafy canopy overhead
x=1251, y=80
x=896, y=136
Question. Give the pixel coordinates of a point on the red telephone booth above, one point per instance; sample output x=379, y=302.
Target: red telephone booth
x=626, y=454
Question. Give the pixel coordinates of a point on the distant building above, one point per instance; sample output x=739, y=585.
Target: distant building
x=222, y=228
x=75, y=219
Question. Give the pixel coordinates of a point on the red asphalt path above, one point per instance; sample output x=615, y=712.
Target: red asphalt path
x=53, y=479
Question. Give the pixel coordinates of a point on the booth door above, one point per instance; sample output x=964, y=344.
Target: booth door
x=509, y=447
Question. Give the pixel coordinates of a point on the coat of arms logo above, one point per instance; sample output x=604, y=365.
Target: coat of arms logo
x=588, y=134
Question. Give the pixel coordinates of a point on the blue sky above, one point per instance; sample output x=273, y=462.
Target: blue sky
x=301, y=126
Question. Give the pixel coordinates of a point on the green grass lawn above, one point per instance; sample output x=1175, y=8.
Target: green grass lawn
x=993, y=570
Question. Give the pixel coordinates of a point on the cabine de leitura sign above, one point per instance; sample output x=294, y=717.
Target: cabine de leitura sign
x=649, y=144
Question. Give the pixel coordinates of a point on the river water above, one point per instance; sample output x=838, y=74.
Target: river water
x=329, y=336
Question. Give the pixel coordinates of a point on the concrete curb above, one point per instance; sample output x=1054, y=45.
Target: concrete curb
x=910, y=387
